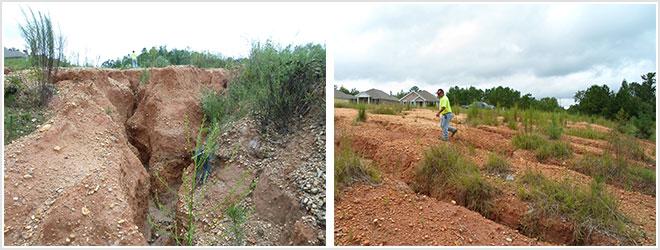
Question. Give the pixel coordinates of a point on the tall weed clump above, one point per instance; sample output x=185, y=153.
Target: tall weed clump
x=588, y=208
x=45, y=50
x=444, y=172
x=277, y=86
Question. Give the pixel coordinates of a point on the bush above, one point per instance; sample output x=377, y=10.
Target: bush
x=497, y=165
x=277, y=86
x=477, y=116
x=213, y=105
x=588, y=208
x=350, y=167
x=444, y=172
x=555, y=149
x=618, y=172
x=626, y=146
x=362, y=114
x=554, y=129
x=528, y=141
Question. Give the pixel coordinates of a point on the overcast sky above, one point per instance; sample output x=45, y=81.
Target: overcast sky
x=111, y=30
x=543, y=49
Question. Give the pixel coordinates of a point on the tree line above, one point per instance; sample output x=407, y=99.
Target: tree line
x=162, y=57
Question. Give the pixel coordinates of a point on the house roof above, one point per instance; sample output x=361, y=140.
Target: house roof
x=13, y=53
x=423, y=94
x=377, y=94
x=428, y=96
x=342, y=95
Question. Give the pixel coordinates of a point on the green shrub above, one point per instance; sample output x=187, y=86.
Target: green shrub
x=497, y=165
x=528, y=141
x=213, y=105
x=618, y=172
x=362, y=114
x=237, y=216
x=555, y=149
x=477, y=116
x=588, y=208
x=445, y=172
x=350, y=167
x=554, y=129
x=277, y=86
x=144, y=77
x=626, y=146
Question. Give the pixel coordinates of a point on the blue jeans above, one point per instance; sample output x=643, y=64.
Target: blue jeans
x=134, y=63
x=444, y=124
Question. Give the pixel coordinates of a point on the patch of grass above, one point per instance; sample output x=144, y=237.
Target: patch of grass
x=554, y=128
x=16, y=64
x=626, y=146
x=144, y=77
x=528, y=141
x=588, y=208
x=588, y=133
x=350, y=167
x=617, y=171
x=497, y=165
x=276, y=86
x=388, y=109
x=19, y=122
x=108, y=110
x=553, y=150
x=445, y=172
x=477, y=116
x=238, y=216
x=362, y=113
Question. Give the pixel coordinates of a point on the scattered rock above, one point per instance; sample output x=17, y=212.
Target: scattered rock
x=85, y=211
x=44, y=128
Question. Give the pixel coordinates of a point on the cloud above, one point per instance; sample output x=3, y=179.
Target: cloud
x=546, y=50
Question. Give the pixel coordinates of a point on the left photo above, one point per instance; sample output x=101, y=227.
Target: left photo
x=165, y=124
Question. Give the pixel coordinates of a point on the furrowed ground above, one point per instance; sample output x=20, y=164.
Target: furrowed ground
x=391, y=212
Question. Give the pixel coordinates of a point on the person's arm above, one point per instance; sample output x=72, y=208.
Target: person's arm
x=440, y=112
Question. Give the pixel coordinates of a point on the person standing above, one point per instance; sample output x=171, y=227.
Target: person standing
x=134, y=59
x=445, y=115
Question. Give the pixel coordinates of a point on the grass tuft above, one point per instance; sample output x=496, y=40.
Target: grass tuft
x=528, y=141
x=497, y=165
x=444, y=172
x=350, y=167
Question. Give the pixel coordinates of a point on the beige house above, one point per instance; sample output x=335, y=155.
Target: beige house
x=343, y=97
x=420, y=98
x=375, y=96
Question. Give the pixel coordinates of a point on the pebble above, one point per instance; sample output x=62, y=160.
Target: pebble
x=509, y=239
x=85, y=211
x=45, y=128
x=57, y=148
x=453, y=202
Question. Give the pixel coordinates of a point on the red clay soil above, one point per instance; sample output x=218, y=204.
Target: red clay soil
x=392, y=214
x=79, y=180
x=396, y=144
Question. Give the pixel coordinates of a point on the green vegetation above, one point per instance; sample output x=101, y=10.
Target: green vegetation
x=22, y=113
x=445, y=172
x=362, y=114
x=162, y=57
x=617, y=171
x=625, y=146
x=553, y=150
x=504, y=97
x=554, y=128
x=383, y=109
x=476, y=116
x=238, y=216
x=275, y=85
x=45, y=51
x=588, y=208
x=528, y=141
x=588, y=133
x=16, y=64
x=497, y=165
x=144, y=77
x=350, y=167
x=633, y=104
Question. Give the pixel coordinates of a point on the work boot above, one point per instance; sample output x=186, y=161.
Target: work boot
x=454, y=132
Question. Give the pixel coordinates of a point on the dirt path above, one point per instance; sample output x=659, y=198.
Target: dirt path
x=396, y=144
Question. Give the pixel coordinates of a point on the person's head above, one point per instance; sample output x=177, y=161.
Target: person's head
x=440, y=93
x=133, y=51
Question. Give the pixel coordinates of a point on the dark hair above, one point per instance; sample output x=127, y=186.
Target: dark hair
x=440, y=90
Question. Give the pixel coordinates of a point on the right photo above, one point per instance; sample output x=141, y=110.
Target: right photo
x=495, y=125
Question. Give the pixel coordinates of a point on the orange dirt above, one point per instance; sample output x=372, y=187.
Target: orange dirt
x=396, y=144
x=79, y=180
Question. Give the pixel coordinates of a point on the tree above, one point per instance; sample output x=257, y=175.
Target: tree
x=414, y=89
x=595, y=100
x=503, y=96
x=45, y=50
